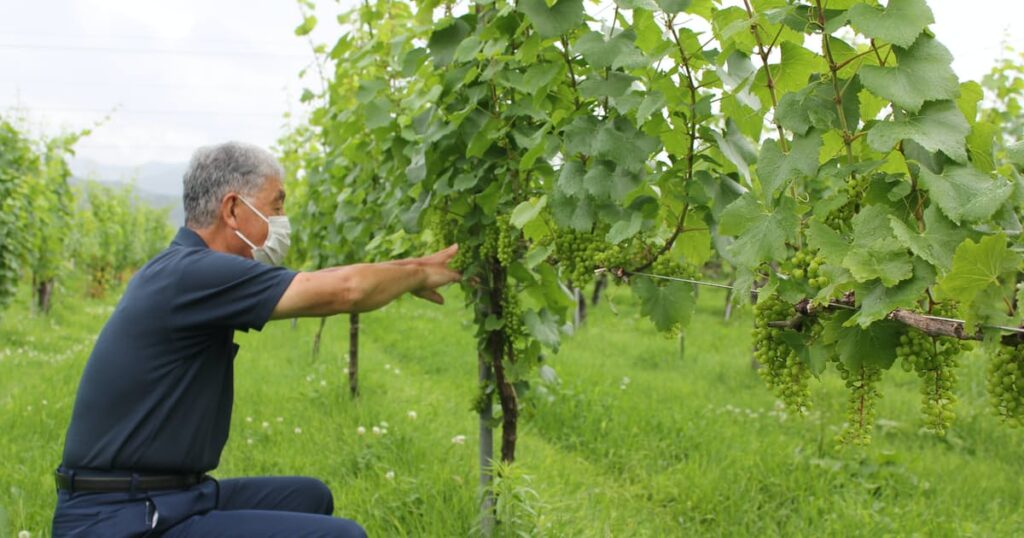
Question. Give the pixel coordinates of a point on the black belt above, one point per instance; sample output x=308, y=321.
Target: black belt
x=139, y=482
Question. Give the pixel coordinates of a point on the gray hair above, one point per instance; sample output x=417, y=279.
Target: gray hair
x=217, y=170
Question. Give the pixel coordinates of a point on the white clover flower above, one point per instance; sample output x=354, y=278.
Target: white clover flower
x=361, y=430
x=383, y=431
x=623, y=387
x=376, y=430
x=248, y=441
x=309, y=378
x=390, y=475
x=323, y=382
x=280, y=419
x=248, y=419
x=344, y=370
x=397, y=371
x=298, y=429
x=46, y=402
x=384, y=424
x=387, y=366
x=459, y=440
x=625, y=380
x=411, y=415
x=265, y=424
x=24, y=534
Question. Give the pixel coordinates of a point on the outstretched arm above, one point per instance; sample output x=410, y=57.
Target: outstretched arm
x=364, y=287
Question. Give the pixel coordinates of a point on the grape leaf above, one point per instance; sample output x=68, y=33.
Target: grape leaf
x=964, y=193
x=673, y=6
x=775, y=169
x=653, y=101
x=814, y=106
x=619, y=51
x=978, y=276
x=1016, y=154
x=616, y=84
x=605, y=180
x=875, y=253
x=874, y=346
x=624, y=229
x=378, y=113
x=762, y=232
x=308, y=23
x=736, y=148
x=570, y=178
x=977, y=266
x=922, y=73
x=527, y=211
x=443, y=42
x=620, y=142
x=940, y=126
x=971, y=94
x=648, y=32
x=667, y=305
x=980, y=143
x=826, y=240
x=937, y=244
x=877, y=300
x=813, y=355
x=543, y=327
x=795, y=67
x=552, y=21
x=899, y=23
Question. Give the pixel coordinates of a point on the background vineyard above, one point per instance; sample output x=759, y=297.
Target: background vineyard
x=819, y=158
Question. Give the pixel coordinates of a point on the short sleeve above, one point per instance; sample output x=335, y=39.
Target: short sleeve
x=219, y=290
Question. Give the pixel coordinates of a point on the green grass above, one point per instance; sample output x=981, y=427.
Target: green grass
x=691, y=446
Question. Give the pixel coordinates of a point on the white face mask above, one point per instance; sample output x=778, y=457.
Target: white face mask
x=275, y=248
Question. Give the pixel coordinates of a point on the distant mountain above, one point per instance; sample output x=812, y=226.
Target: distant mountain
x=157, y=184
x=155, y=177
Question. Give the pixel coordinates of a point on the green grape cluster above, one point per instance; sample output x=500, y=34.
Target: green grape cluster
x=935, y=360
x=577, y=254
x=444, y=228
x=462, y=260
x=1006, y=384
x=854, y=190
x=508, y=238
x=864, y=395
x=620, y=256
x=806, y=266
x=782, y=369
x=489, y=246
x=666, y=266
x=512, y=314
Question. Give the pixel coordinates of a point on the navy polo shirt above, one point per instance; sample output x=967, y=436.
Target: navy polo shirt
x=157, y=391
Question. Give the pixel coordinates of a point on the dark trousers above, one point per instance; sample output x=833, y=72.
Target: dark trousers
x=250, y=507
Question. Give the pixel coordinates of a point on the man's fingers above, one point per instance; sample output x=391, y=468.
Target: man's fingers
x=449, y=253
x=431, y=295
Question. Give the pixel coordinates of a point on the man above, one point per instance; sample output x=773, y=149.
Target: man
x=154, y=405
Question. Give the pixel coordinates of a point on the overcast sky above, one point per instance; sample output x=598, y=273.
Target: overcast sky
x=185, y=73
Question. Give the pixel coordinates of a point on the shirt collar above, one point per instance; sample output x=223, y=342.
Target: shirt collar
x=188, y=238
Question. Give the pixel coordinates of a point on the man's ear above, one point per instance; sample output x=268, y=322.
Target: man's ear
x=227, y=210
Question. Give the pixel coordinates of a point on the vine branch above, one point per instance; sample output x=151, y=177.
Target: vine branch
x=929, y=325
x=763, y=53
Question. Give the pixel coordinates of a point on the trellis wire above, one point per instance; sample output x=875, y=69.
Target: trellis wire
x=831, y=303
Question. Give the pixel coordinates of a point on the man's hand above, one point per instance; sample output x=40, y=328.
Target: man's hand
x=438, y=273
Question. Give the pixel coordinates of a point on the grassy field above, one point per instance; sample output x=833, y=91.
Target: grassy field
x=631, y=440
